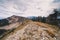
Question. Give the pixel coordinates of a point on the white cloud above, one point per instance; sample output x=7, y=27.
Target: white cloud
x=27, y=7
x=39, y=8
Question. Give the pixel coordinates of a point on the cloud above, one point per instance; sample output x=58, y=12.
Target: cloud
x=39, y=8
x=27, y=7
x=56, y=4
x=56, y=1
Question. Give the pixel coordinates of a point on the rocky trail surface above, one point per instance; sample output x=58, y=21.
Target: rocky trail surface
x=34, y=31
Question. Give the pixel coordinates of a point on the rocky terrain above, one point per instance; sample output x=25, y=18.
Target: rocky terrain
x=21, y=28
x=34, y=31
x=11, y=20
x=9, y=24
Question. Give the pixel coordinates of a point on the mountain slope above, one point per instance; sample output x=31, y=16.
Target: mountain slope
x=11, y=20
x=12, y=23
x=34, y=31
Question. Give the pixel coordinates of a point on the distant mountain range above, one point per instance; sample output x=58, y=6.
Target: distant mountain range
x=1, y=18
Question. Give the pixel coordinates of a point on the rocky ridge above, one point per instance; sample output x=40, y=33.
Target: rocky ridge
x=34, y=31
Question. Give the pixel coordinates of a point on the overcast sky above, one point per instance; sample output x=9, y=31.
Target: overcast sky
x=27, y=7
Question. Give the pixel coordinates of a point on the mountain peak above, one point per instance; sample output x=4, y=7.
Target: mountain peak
x=12, y=19
x=15, y=18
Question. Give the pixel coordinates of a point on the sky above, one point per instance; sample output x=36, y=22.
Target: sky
x=28, y=7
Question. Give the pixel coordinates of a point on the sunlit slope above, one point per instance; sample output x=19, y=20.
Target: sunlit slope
x=34, y=31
